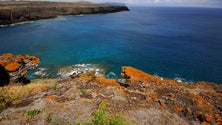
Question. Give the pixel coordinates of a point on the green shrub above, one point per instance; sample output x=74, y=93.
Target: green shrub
x=101, y=116
x=32, y=113
x=83, y=91
x=54, y=87
x=118, y=120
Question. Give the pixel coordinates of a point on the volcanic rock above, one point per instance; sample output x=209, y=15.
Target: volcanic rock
x=14, y=68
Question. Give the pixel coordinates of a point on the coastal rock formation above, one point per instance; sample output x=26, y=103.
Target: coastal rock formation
x=136, y=75
x=14, y=12
x=14, y=68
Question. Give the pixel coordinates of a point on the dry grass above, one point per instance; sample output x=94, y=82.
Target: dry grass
x=14, y=94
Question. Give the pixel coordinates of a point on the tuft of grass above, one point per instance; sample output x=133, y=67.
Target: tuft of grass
x=118, y=120
x=101, y=116
x=48, y=118
x=33, y=112
x=83, y=91
x=54, y=87
x=13, y=94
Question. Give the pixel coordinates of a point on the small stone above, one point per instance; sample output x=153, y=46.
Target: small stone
x=134, y=98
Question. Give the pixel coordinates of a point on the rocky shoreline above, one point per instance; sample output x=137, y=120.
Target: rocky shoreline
x=140, y=98
x=15, y=12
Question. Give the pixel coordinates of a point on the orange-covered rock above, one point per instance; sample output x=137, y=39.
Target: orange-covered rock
x=49, y=97
x=172, y=95
x=12, y=66
x=136, y=75
x=102, y=79
x=85, y=78
x=208, y=118
x=204, y=84
x=7, y=56
x=178, y=108
x=205, y=123
x=162, y=104
x=17, y=66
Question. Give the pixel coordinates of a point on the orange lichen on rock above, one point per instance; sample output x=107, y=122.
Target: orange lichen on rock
x=18, y=66
x=199, y=99
x=148, y=99
x=208, y=118
x=136, y=75
x=24, y=73
x=12, y=66
x=85, y=78
x=7, y=56
x=162, y=104
x=172, y=95
x=155, y=98
x=27, y=58
x=118, y=91
x=63, y=105
x=204, y=84
x=2, y=63
x=34, y=59
x=205, y=123
x=102, y=79
x=178, y=108
x=49, y=97
x=44, y=88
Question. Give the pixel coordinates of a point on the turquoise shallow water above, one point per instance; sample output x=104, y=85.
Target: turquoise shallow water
x=179, y=43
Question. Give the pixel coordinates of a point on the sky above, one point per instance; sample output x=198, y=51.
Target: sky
x=204, y=3
x=199, y=3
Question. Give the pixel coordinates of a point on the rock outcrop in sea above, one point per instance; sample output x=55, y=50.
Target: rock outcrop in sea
x=14, y=68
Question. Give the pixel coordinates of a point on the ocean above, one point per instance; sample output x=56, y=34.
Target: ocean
x=179, y=43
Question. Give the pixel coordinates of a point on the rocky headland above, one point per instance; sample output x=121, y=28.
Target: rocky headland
x=138, y=98
x=14, y=12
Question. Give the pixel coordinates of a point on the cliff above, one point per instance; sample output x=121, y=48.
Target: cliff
x=138, y=98
x=14, y=12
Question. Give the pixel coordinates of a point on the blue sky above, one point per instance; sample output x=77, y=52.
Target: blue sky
x=200, y=3
x=207, y=3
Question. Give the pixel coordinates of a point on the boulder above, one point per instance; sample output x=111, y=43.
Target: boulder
x=14, y=68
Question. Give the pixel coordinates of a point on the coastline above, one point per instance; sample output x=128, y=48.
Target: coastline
x=16, y=12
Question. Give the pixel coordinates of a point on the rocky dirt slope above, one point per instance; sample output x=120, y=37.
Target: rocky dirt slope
x=14, y=12
x=139, y=98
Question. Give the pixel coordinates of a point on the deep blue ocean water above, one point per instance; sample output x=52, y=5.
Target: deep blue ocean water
x=181, y=43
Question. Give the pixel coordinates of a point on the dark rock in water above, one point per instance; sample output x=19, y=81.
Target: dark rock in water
x=14, y=12
x=14, y=68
